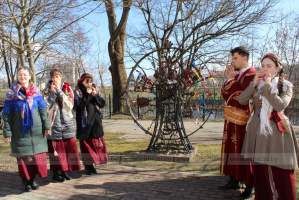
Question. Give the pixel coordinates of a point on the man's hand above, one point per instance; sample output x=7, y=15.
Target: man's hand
x=230, y=72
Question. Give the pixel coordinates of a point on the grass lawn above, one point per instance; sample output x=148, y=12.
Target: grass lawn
x=125, y=152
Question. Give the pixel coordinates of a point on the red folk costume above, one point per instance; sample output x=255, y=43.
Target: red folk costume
x=233, y=135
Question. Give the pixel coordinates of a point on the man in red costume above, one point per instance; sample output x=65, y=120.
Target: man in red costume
x=239, y=75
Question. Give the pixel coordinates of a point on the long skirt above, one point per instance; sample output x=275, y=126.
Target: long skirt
x=273, y=183
x=232, y=163
x=66, y=157
x=91, y=153
x=30, y=166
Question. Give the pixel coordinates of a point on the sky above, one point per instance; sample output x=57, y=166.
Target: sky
x=98, y=28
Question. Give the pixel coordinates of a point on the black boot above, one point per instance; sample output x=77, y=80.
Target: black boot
x=65, y=175
x=248, y=192
x=33, y=184
x=232, y=184
x=57, y=177
x=88, y=169
x=26, y=185
x=93, y=170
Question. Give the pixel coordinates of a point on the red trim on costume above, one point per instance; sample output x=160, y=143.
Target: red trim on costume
x=277, y=117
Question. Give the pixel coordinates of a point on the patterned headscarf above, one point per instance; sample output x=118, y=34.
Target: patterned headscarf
x=17, y=102
x=274, y=58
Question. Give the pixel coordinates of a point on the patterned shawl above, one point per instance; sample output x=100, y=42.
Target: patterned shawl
x=67, y=103
x=17, y=102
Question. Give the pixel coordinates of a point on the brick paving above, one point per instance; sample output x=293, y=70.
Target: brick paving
x=119, y=182
x=128, y=183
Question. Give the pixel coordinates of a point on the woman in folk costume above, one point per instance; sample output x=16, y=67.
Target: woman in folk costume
x=89, y=124
x=26, y=127
x=62, y=147
x=270, y=140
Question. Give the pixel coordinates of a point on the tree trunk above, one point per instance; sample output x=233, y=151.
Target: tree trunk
x=29, y=51
x=119, y=79
x=116, y=47
x=20, y=48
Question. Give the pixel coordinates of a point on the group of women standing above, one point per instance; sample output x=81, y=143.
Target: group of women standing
x=37, y=122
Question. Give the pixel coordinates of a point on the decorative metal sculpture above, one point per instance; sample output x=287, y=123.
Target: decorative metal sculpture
x=170, y=90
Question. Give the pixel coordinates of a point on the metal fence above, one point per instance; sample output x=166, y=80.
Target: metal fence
x=292, y=111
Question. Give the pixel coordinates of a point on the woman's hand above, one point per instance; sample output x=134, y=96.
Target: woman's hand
x=88, y=90
x=94, y=91
x=47, y=132
x=8, y=139
x=267, y=78
x=55, y=87
x=257, y=78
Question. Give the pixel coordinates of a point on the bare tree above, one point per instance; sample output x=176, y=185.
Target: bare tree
x=282, y=39
x=287, y=45
x=76, y=47
x=197, y=26
x=34, y=25
x=102, y=68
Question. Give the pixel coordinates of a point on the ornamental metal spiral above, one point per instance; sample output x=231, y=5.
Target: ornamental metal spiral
x=177, y=87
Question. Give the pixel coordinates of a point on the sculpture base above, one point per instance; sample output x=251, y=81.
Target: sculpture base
x=169, y=157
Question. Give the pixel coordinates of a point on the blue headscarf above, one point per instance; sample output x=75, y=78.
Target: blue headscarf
x=17, y=102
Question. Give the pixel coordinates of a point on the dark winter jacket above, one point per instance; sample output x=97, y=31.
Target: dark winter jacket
x=88, y=115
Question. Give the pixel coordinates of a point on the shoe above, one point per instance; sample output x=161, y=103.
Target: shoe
x=88, y=169
x=26, y=185
x=34, y=184
x=231, y=184
x=57, y=177
x=247, y=193
x=66, y=176
x=93, y=170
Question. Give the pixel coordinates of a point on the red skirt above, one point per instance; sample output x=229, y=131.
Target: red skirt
x=30, y=166
x=91, y=153
x=68, y=157
x=273, y=183
x=232, y=163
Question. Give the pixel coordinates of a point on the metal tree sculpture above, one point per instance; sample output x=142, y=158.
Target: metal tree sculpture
x=170, y=90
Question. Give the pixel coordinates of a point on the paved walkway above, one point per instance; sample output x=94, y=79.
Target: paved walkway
x=126, y=183
x=118, y=182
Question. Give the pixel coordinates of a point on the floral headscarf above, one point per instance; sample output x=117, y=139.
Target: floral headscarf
x=17, y=102
x=274, y=58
